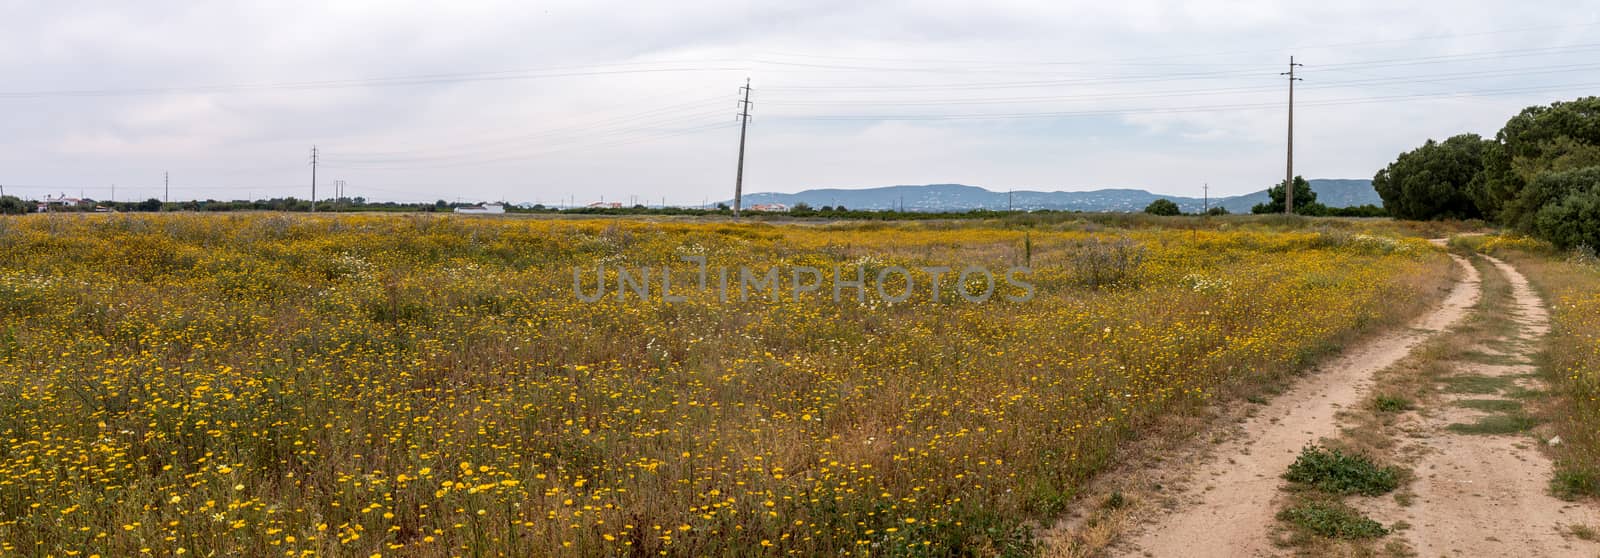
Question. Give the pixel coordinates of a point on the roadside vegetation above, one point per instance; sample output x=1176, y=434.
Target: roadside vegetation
x=430, y=385
x=1539, y=176
x=1570, y=283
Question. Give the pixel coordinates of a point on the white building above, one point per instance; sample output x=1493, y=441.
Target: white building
x=489, y=209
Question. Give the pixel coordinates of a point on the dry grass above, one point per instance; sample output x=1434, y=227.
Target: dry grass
x=351, y=385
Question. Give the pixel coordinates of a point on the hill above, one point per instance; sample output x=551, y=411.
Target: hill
x=961, y=197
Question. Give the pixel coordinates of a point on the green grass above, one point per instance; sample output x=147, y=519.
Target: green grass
x=1584, y=532
x=1497, y=424
x=1337, y=472
x=1332, y=519
x=1519, y=392
x=1570, y=483
x=1481, y=357
x=1491, y=405
x=1475, y=383
x=1386, y=403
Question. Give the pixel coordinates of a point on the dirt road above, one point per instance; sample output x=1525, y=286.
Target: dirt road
x=1484, y=491
x=1229, y=510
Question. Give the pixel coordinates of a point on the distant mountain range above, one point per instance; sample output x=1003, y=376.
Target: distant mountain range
x=960, y=197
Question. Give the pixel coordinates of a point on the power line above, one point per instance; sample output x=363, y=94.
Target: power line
x=648, y=115
x=450, y=153
x=347, y=83
x=1188, y=109
x=1371, y=80
x=1197, y=75
x=1136, y=59
x=529, y=155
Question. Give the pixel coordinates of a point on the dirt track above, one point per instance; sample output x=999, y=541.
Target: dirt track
x=1229, y=509
x=1487, y=495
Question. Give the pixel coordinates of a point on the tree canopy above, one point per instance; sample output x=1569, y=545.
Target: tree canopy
x=1305, y=200
x=1541, y=139
x=12, y=205
x=1433, y=181
x=1163, y=206
x=1540, y=175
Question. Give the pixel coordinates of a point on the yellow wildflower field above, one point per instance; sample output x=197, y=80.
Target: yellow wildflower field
x=437, y=386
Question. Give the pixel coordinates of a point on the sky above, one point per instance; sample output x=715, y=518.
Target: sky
x=561, y=101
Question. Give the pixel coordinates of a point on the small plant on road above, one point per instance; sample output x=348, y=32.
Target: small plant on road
x=1332, y=519
x=1392, y=403
x=1337, y=472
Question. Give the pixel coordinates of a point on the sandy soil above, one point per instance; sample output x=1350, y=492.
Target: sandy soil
x=1228, y=509
x=1487, y=495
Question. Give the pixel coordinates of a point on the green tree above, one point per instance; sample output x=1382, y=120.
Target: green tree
x=1163, y=206
x=1434, y=181
x=1541, y=139
x=1305, y=200
x=151, y=204
x=1569, y=207
x=1217, y=210
x=12, y=205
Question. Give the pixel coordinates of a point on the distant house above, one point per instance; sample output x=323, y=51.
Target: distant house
x=63, y=201
x=606, y=205
x=489, y=209
x=769, y=207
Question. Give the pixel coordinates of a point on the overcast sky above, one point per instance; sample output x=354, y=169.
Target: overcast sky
x=544, y=101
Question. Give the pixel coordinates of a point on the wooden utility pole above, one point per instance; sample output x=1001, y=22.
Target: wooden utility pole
x=1205, y=198
x=744, y=123
x=166, y=187
x=1288, y=179
x=313, y=179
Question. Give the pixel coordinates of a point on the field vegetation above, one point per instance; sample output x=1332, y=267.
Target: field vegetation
x=267, y=384
x=1570, y=284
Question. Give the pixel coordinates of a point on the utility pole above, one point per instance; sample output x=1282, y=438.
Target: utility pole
x=1205, y=198
x=313, y=179
x=166, y=187
x=744, y=123
x=1288, y=179
x=1008, y=201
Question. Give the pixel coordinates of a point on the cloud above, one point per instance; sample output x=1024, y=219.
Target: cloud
x=1044, y=94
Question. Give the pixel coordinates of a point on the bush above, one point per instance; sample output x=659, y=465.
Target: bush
x=12, y=205
x=1392, y=403
x=1336, y=472
x=1163, y=206
x=1571, y=217
x=1333, y=520
x=1099, y=263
